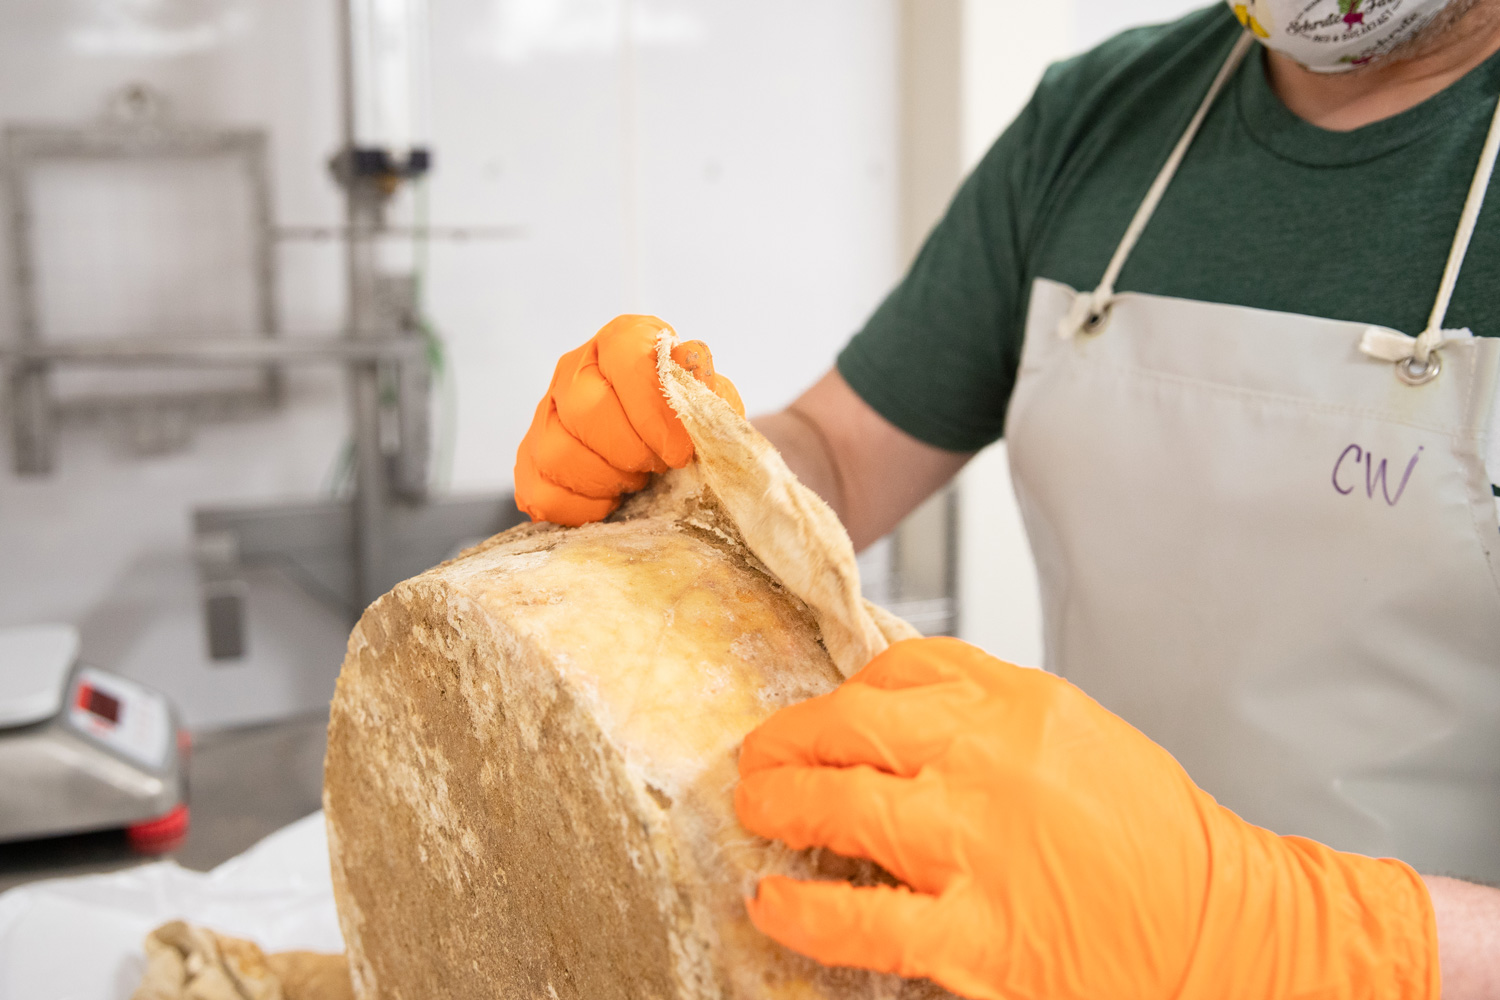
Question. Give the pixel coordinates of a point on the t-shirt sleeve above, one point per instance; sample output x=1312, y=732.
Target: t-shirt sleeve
x=938, y=358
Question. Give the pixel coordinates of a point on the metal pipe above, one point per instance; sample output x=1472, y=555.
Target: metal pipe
x=364, y=217
x=346, y=71
x=209, y=353
x=455, y=233
x=370, y=487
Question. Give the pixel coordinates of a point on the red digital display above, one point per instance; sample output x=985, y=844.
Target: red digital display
x=104, y=706
x=96, y=702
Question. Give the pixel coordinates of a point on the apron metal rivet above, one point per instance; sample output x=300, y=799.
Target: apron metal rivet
x=1413, y=372
x=1096, y=321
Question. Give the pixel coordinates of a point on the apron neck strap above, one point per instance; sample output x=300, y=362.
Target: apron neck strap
x=1416, y=358
x=1088, y=311
x=1466, y=222
x=1169, y=169
x=1414, y=353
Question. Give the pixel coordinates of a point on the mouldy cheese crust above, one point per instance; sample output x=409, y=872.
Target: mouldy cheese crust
x=532, y=748
x=530, y=761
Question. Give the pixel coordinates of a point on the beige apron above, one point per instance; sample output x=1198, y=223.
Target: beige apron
x=1270, y=542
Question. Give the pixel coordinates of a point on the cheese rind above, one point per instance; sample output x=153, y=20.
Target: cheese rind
x=532, y=748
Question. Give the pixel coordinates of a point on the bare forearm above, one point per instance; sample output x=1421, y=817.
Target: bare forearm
x=807, y=454
x=1468, y=926
x=871, y=473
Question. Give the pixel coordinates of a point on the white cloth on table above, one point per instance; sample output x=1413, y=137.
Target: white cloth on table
x=80, y=938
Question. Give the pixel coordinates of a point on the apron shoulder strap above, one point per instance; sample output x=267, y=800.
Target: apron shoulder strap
x=1416, y=357
x=1089, y=310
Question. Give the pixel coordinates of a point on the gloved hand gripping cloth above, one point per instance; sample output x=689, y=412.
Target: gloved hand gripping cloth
x=532, y=749
x=1049, y=851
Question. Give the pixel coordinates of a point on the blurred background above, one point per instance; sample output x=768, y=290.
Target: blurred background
x=244, y=243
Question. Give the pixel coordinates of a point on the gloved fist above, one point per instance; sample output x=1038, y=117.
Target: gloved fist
x=1053, y=851
x=605, y=424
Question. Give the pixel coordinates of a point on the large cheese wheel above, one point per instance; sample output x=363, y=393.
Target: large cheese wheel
x=532, y=747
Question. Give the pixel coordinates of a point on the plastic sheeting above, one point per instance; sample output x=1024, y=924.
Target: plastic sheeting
x=80, y=938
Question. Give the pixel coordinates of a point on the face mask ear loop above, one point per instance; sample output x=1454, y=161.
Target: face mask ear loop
x=1432, y=336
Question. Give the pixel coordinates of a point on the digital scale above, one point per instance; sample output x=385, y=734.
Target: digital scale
x=82, y=749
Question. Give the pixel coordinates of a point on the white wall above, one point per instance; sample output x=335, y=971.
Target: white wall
x=733, y=174
x=1096, y=20
x=727, y=165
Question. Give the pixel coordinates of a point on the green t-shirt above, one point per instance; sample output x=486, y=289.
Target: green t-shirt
x=1266, y=211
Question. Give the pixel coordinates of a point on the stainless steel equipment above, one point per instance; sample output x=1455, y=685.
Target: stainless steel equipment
x=82, y=749
x=350, y=552
x=348, y=549
x=135, y=137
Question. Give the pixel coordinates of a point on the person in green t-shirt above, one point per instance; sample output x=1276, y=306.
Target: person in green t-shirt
x=1235, y=308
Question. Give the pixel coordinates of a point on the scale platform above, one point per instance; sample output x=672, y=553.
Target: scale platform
x=83, y=749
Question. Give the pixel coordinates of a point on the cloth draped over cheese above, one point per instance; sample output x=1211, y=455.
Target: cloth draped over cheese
x=532, y=748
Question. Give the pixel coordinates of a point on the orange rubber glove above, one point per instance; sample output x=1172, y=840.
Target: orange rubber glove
x=605, y=424
x=1049, y=850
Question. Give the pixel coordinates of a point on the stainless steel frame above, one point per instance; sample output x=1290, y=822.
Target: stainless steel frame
x=346, y=551
x=313, y=542
x=156, y=352
x=138, y=129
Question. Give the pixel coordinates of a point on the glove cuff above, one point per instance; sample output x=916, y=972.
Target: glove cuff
x=1414, y=952
x=1290, y=917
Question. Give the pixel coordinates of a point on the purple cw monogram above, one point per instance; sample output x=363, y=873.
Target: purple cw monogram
x=1355, y=456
